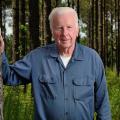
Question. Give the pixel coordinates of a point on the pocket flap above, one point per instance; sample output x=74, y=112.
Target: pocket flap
x=83, y=81
x=47, y=79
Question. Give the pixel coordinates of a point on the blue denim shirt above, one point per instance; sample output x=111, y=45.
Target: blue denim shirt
x=71, y=93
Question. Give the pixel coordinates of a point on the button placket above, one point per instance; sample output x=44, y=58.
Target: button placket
x=66, y=93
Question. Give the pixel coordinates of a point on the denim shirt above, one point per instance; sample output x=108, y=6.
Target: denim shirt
x=74, y=92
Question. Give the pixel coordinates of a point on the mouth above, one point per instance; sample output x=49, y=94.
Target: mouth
x=64, y=40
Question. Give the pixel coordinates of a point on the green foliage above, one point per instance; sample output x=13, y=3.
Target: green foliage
x=18, y=105
x=84, y=10
x=114, y=93
x=23, y=28
x=84, y=41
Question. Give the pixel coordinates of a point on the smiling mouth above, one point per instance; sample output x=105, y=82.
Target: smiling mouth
x=64, y=40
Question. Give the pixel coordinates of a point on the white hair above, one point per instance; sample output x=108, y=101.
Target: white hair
x=62, y=10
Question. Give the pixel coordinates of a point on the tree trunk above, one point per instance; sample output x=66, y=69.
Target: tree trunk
x=15, y=49
x=58, y=3
x=23, y=34
x=0, y=13
x=96, y=26
x=34, y=23
x=68, y=3
x=90, y=25
x=118, y=41
x=105, y=33
x=101, y=31
x=23, y=27
x=92, y=20
x=73, y=4
x=47, y=25
x=78, y=12
x=116, y=35
x=42, y=17
x=3, y=20
x=112, y=39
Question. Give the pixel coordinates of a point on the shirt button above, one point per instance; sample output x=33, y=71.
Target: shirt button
x=66, y=113
x=66, y=98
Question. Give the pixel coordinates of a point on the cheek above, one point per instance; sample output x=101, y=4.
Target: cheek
x=73, y=34
x=56, y=35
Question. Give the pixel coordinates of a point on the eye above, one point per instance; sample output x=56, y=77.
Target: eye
x=59, y=28
x=69, y=27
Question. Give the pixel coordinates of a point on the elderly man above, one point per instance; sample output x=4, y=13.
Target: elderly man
x=68, y=78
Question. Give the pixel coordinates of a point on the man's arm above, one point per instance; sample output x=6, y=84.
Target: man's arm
x=18, y=73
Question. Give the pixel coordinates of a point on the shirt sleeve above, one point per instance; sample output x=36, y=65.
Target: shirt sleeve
x=17, y=73
x=102, y=106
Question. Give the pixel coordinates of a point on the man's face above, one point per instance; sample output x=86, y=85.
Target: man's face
x=65, y=30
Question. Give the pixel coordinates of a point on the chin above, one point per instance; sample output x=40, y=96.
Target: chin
x=65, y=46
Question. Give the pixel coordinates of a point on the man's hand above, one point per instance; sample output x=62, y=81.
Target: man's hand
x=1, y=43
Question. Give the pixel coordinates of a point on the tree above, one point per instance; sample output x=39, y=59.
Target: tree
x=58, y=2
x=101, y=30
x=78, y=12
x=96, y=26
x=15, y=49
x=91, y=24
x=23, y=27
x=0, y=13
x=34, y=23
x=23, y=34
x=47, y=26
x=118, y=36
x=112, y=36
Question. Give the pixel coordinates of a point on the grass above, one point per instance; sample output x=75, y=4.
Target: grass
x=113, y=82
x=18, y=105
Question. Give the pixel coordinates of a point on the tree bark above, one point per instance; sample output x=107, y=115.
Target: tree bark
x=15, y=50
x=47, y=25
x=0, y=13
x=96, y=26
x=23, y=27
x=34, y=23
x=118, y=41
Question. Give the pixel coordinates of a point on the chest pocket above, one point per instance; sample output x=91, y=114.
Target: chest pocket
x=47, y=87
x=83, y=88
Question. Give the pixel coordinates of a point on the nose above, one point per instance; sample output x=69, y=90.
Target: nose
x=65, y=31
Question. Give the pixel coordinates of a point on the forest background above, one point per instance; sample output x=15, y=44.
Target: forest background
x=28, y=28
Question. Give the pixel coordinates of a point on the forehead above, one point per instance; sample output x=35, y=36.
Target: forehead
x=65, y=18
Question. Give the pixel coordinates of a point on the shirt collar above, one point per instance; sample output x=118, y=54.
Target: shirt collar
x=54, y=51
x=78, y=53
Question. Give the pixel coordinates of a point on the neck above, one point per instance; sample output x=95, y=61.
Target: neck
x=67, y=52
